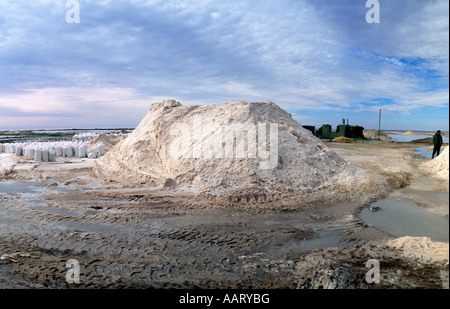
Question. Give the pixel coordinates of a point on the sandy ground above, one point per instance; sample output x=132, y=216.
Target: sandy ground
x=420, y=183
x=136, y=237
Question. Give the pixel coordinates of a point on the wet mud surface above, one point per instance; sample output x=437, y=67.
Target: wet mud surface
x=131, y=240
x=122, y=244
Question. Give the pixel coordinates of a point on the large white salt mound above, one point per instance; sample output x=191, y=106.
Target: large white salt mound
x=277, y=155
x=440, y=165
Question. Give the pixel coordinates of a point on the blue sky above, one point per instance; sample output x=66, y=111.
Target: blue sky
x=318, y=59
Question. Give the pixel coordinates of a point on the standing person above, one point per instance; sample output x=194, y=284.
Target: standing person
x=437, y=142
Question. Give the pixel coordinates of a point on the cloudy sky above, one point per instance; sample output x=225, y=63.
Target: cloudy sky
x=318, y=59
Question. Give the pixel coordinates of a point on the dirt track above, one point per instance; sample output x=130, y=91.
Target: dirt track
x=131, y=237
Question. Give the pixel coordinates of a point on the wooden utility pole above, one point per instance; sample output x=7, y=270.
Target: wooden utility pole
x=379, y=126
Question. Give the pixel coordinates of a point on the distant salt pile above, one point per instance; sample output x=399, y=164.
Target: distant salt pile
x=375, y=134
x=103, y=142
x=90, y=136
x=87, y=136
x=440, y=165
x=231, y=149
x=408, y=133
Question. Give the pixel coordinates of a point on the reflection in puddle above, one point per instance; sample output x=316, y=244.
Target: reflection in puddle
x=402, y=218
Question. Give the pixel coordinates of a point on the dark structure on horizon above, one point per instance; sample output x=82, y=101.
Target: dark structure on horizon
x=346, y=130
x=310, y=128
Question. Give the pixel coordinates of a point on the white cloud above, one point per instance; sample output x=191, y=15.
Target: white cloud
x=310, y=54
x=99, y=104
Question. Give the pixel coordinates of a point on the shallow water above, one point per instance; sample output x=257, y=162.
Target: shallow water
x=409, y=138
x=424, y=151
x=29, y=187
x=403, y=218
x=17, y=187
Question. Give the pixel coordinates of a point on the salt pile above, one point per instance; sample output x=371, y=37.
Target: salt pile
x=104, y=142
x=440, y=165
x=375, y=134
x=226, y=150
x=422, y=248
x=87, y=136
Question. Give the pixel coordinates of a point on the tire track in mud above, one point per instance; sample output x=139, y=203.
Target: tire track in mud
x=136, y=246
x=189, y=256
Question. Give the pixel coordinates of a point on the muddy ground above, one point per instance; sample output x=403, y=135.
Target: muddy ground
x=126, y=237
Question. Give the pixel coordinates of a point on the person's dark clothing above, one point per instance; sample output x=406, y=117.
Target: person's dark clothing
x=437, y=142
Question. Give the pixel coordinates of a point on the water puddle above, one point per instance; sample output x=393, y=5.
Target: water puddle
x=19, y=187
x=424, y=151
x=30, y=187
x=443, y=196
x=410, y=138
x=403, y=218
